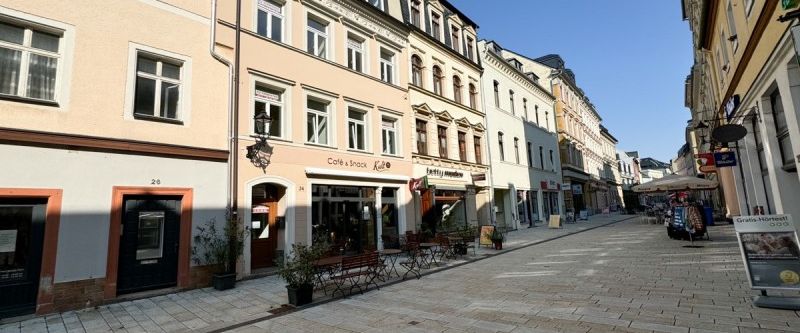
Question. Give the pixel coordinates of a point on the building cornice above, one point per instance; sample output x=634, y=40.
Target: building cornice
x=503, y=65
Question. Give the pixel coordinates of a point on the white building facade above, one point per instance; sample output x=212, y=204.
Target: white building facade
x=523, y=148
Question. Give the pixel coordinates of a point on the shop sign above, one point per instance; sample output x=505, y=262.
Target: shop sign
x=725, y=159
x=768, y=244
x=566, y=186
x=552, y=185
x=705, y=163
x=344, y=163
x=441, y=173
x=730, y=106
x=577, y=189
x=543, y=185
x=476, y=177
x=789, y=4
x=415, y=184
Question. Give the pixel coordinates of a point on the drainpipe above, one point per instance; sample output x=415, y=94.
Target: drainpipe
x=232, y=155
x=490, y=176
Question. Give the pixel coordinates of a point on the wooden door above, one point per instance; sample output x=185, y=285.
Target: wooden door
x=264, y=239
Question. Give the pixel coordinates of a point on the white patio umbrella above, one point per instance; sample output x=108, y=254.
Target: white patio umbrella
x=675, y=183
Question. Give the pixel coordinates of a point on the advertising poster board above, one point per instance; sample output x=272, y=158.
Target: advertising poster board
x=770, y=251
x=679, y=220
x=584, y=214
x=555, y=221
x=486, y=235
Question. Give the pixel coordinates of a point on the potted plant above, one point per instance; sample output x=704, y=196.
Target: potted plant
x=497, y=239
x=220, y=247
x=297, y=269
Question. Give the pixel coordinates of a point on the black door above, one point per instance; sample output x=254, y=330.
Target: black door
x=21, y=237
x=148, y=247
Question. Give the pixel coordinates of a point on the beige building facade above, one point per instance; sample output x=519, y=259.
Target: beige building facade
x=114, y=150
x=332, y=76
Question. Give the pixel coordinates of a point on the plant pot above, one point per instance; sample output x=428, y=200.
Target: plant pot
x=301, y=295
x=498, y=245
x=223, y=281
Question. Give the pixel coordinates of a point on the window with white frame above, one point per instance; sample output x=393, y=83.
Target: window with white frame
x=387, y=65
x=355, y=53
x=455, y=40
x=317, y=37
x=782, y=130
x=470, y=48
x=29, y=60
x=377, y=3
x=748, y=7
x=357, y=129
x=416, y=14
x=317, y=121
x=732, y=27
x=269, y=20
x=269, y=101
x=158, y=86
x=416, y=70
x=389, y=135
x=436, y=26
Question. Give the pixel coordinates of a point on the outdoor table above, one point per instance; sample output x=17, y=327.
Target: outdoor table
x=392, y=255
x=429, y=247
x=326, y=265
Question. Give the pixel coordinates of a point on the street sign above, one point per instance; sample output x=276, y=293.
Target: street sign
x=768, y=244
x=725, y=159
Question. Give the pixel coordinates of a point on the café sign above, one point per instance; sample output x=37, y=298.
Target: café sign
x=347, y=163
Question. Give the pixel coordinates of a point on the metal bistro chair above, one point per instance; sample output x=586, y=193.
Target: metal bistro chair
x=412, y=263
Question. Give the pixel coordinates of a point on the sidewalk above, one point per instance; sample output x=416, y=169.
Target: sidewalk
x=207, y=309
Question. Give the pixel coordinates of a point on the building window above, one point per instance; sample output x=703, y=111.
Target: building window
x=377, y=3
x=270, y=20
x=389, y=135
x=496, y=94
x=436, y=26
x=762, y=163
x=29, y=61
x=422, y=137
x=732, y=26
x=536, y=113
x=415, y=13
x=270, y=102
x=455, y=40
x=462, y=146
x=477, y=143
x=782, y=130
x=473, y=96
x=317, y=122
x=355, y=53
x=317, y=37
x=158, y=87
x=457, y=89
x=552, y=163
x=500, y=144
x=470, y=49
x=511, y=102
x=546, y=120
x=516, y=149
x=748, y=7
x=387, y=66
x=541, y=158
x=437, y=80
x=530, y=155
x=357, y=129
x=416, y=70
x=525, y=108
x=442, y=141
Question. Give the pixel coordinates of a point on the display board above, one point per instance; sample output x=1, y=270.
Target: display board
x=486, y=234
x=555, y=221
x=769, y=248
x=584, y=214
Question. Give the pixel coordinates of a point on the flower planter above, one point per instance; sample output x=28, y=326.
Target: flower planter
x=498, y=245
x=223, y=281
x=301, y=295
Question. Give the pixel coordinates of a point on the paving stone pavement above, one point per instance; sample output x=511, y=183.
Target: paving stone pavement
x=207, y=309
x=625, y=277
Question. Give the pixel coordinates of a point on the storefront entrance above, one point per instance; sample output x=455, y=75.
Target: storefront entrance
x=345, y=217
x=21, y=238
x=450, y=207
x=149, y=243
x=264, y=225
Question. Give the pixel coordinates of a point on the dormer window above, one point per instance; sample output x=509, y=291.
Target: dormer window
x=454, y=38
x=469, y=49
x=532, y=76
x=416, y=13
x=377, y=3
x=436, y=25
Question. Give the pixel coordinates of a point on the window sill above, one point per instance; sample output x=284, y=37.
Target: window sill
x=392, y=155
x=157, y=119
x=28, y=100
x=359, y=151
x=312, y=144
x=789, y=167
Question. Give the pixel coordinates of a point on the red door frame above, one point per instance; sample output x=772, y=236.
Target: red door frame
x=112, y=263
x=44, y=299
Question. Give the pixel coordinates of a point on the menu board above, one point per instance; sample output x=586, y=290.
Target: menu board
x=486, y=235
x=555, y=221
x=770, y=250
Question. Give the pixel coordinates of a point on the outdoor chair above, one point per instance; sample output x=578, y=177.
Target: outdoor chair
x=412, y=263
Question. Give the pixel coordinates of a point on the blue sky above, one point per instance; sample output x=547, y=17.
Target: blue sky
x=631, y=57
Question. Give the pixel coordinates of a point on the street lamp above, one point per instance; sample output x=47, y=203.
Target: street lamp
x=260, y=152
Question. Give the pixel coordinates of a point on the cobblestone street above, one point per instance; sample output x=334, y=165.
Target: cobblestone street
x=626, y=277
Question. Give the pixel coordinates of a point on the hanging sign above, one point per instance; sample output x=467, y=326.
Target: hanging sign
x=725, y=159
x=577, y=189
x=789, y=4
x=705, y=163
x=768, y=244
